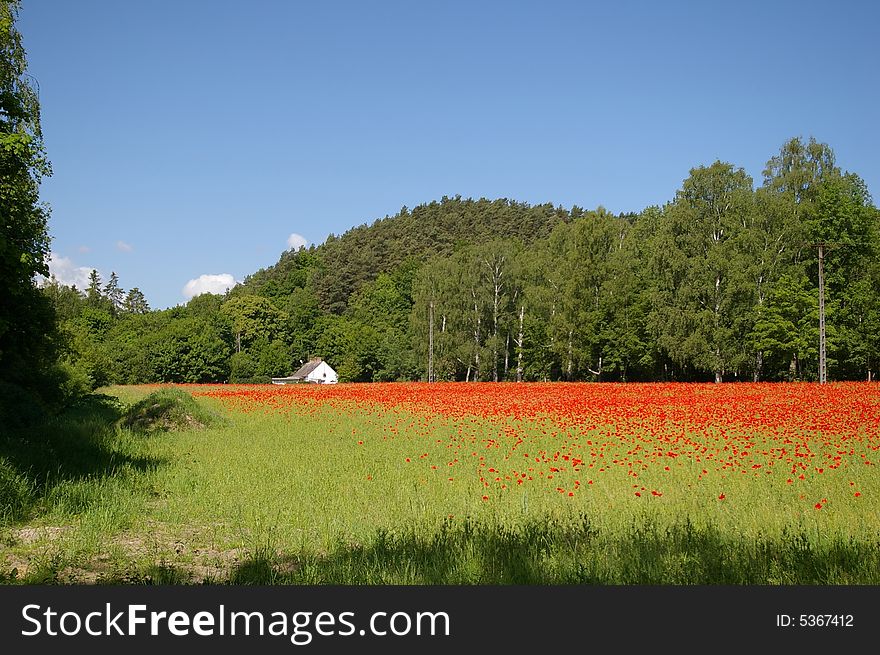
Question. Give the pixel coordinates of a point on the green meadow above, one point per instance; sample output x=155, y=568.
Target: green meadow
x=140, y=485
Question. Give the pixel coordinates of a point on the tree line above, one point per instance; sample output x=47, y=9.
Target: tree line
x=718, y=284
x=721, y=283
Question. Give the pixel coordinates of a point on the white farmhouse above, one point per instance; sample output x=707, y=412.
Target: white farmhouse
x=316, y=371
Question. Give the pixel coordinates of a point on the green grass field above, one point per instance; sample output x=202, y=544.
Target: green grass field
x=172, y=491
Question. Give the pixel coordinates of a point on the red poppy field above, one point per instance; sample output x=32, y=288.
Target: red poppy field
x=480, y=483
x=814, y=446
x=637, y=483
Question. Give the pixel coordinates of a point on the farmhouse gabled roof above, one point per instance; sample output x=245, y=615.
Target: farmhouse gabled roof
x=307, y=368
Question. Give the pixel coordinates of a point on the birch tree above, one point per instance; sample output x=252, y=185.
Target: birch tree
x=702, y=273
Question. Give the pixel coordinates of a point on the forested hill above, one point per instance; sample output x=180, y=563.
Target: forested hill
x=721, y=283
x=344, y=264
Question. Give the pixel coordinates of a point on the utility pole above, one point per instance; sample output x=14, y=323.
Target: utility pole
x=823, y=364
x=823, y=247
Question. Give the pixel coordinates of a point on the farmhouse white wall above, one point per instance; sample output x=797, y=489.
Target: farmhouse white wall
x=323, y=373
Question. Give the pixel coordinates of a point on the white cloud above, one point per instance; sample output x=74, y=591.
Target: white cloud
x=84, y=249
x=296, y=241
x=68, y=273
x=124, y=247
x=208, y=284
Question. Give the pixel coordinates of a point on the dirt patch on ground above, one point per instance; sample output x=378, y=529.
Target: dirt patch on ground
x=33, y=535
x=174, y=553
x=151, y=553
x=15, y=566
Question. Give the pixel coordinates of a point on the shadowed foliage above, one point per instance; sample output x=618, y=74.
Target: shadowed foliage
x=553, y=551
x=539, y=552
x=82, y=444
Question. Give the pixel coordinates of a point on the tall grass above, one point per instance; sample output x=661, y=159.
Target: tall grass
x=68, y=463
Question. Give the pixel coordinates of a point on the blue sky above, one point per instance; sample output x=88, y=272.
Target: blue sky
x=193, y=138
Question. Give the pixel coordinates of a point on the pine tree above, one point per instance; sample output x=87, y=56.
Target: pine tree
x=114, y=293
x=93, y=293
x=135, y=302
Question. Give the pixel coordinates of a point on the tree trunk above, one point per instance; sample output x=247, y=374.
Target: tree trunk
x=759, y=364
x=441, y=350
x=718, y=365
x=495, y=303
x=519, y=346
x=552, y=316
x=476, y=337
x=568, y=367
x=431, y=342
x=495, y=275
x=477, y=352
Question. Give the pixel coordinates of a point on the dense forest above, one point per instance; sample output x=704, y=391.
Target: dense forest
x=721, y=283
